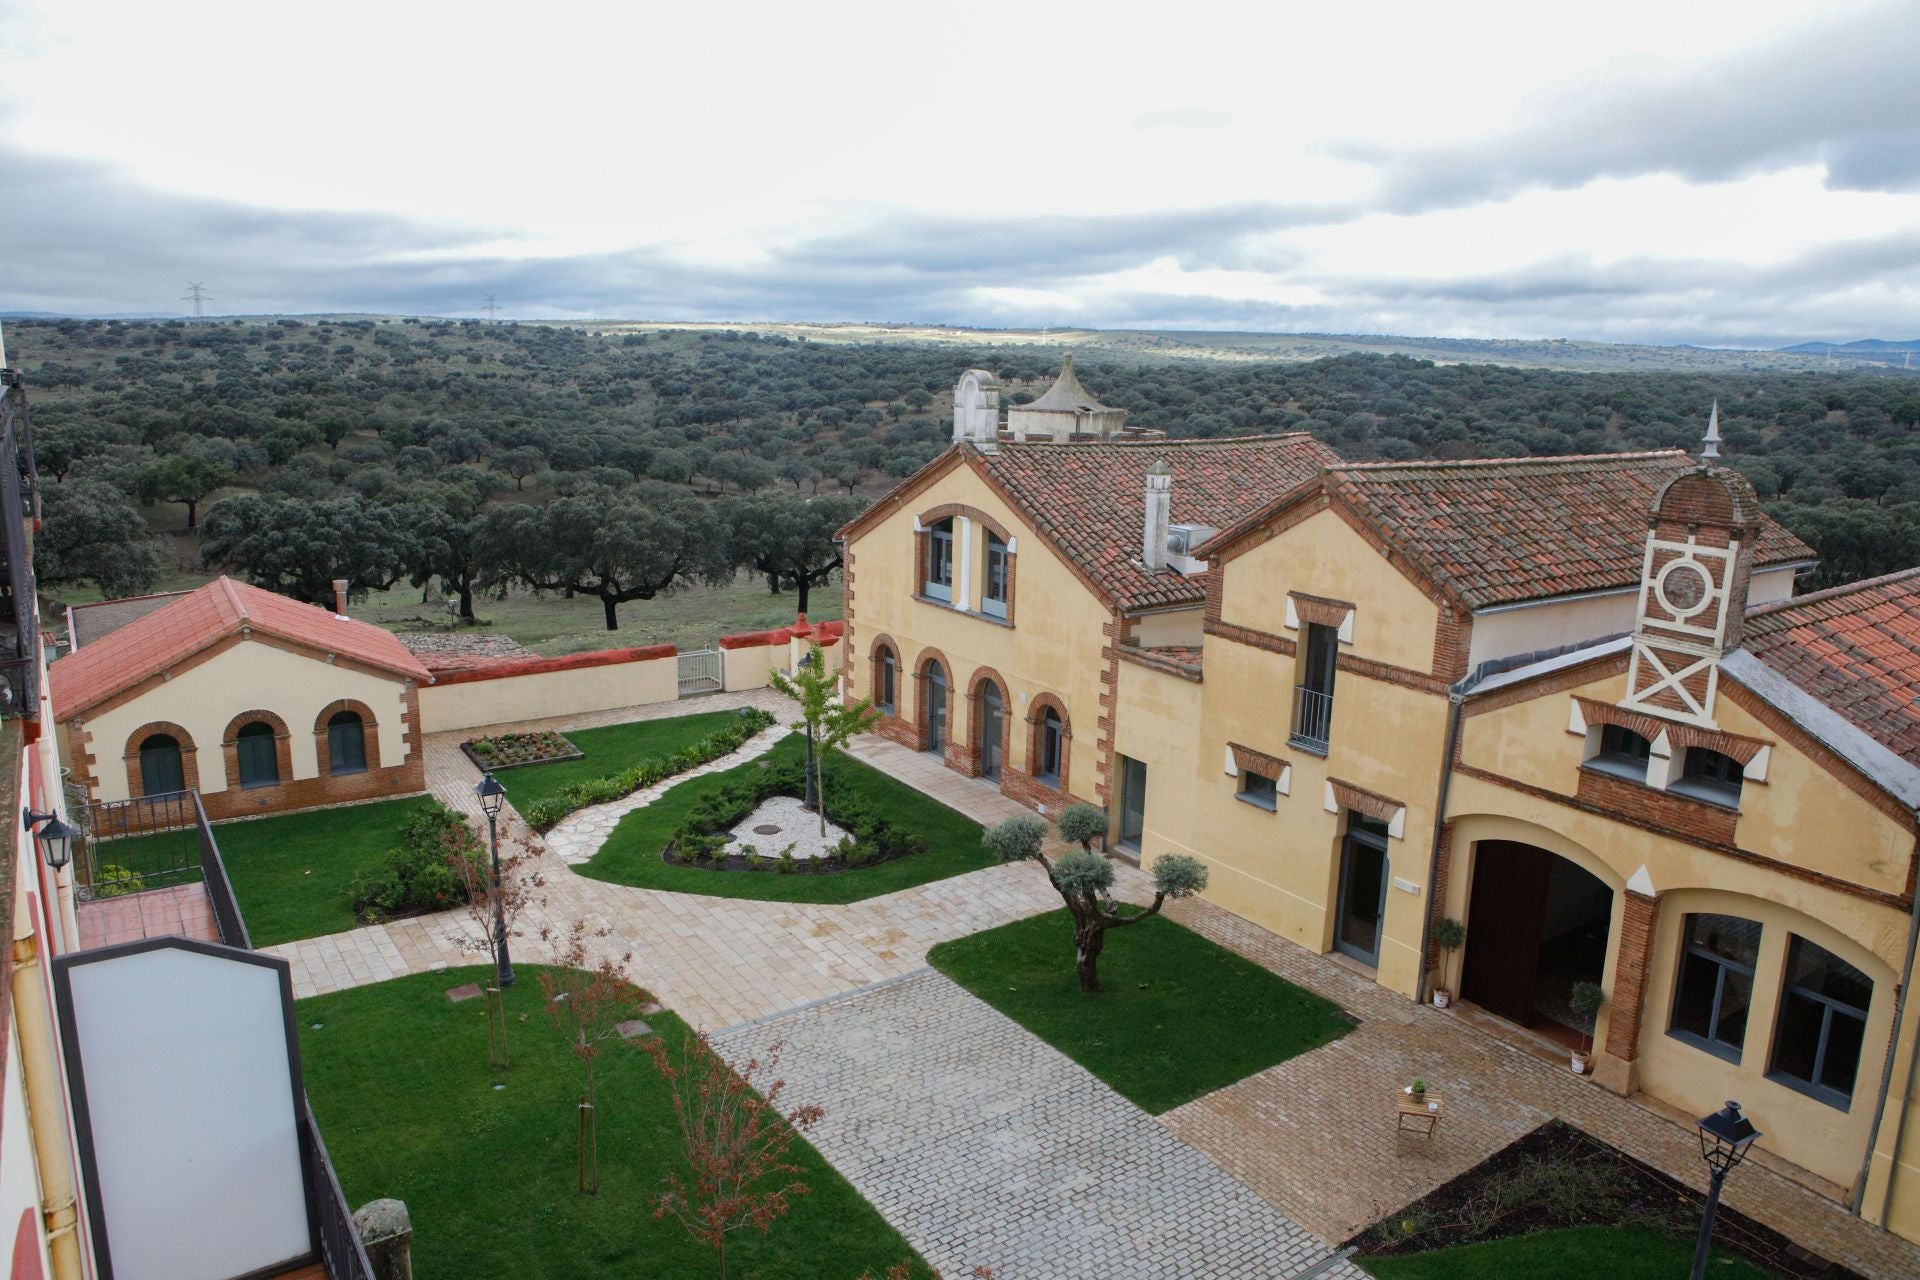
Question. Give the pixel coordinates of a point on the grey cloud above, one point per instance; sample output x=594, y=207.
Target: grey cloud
x=1847, y=95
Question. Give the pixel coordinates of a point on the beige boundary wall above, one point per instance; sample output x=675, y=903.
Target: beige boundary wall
x=535, y=688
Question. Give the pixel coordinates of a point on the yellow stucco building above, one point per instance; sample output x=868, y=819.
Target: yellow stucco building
x=1568, y=703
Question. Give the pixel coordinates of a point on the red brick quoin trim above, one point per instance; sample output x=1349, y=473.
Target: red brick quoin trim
x=967, y=758
x=189, y=755
x=369, y=729
x=1638, y=916
x=282, y=745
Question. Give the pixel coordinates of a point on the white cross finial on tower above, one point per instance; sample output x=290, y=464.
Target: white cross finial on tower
x=1710, y=444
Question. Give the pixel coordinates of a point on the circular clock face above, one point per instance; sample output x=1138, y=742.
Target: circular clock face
x=1683, y=588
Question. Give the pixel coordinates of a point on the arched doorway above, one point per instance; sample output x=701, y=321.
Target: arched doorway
x=935, y=687
x=993, y=717
x=161, y=771
x=1537, y=924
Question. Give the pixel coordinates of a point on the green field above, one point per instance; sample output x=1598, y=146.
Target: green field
x=608, y=751
x=1178, y=1016
x=485, y=1159
x=632, y=854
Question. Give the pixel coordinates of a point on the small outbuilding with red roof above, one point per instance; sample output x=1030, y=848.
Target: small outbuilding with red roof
x=261, y=703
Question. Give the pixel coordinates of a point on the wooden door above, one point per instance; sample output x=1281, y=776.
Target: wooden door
x=1508, y=908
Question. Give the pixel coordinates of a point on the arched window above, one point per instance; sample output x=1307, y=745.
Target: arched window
x=886, y=682
x=160, y=767
x=259, y=762
x=1052, y=747
x=346, y=743
x=934, y=707
x=939, y=566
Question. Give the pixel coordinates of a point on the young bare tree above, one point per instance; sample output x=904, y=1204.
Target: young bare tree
x=827, y=722
x=493, y=905
x=587, y=1000
x=1084, y=879
x=735, y=1139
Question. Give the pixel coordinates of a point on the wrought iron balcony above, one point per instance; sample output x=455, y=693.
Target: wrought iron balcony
x=1312, y=718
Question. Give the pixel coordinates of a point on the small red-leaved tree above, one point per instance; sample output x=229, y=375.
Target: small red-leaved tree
x=587, y=1000
x=493, y=906
x=736, y=1143
x=1084, y=879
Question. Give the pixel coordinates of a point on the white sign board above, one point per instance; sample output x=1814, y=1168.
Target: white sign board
x=185, y=1083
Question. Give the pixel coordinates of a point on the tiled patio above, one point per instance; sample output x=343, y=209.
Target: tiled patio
x=183, y=909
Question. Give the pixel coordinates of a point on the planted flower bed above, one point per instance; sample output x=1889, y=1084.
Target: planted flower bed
x=706, y=839
x=507, y=750
x=544, y=815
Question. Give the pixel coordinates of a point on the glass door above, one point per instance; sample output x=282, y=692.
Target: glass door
x=992, y=713
x=936, y=708
x=1363, y=889
x=1133, y=803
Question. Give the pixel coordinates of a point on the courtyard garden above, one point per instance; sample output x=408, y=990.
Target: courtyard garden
x=1177, y=1016
x=486, y=1158
x=607, y=751
x=900, y=837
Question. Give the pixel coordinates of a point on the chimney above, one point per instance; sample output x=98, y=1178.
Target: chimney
x=976, y=410
x=340, y=596
x=1153, y=542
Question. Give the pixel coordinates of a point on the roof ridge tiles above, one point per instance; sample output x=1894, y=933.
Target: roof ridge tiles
x=1433, y=464
x=1790, y=603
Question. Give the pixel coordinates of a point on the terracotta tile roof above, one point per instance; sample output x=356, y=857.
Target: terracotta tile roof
x=1504, y=530
x=1857, y=649
x=170, y=635
x=1089, y=499
x=1181, y=659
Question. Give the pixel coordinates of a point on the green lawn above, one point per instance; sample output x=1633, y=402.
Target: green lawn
x=610, y=750
x=1618, y=1253
x=632, y=854
x=290, y=873
x=1177, y=1017
x=409, y=1108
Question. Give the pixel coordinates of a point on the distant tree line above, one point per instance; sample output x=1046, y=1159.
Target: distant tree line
x=623, y=466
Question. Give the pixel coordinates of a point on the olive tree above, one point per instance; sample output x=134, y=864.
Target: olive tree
x=1084, y=880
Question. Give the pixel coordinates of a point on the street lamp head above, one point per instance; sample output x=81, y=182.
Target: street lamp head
x=1725, y=1137
x=56, y=837
x=492, y=794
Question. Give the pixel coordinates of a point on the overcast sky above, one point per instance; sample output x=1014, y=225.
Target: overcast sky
x=1677, y=171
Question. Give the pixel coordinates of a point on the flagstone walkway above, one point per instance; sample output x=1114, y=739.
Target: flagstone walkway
x=716, y=961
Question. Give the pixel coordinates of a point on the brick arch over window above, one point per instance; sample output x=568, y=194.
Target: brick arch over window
x=948, y=510
x=1036, y=720
x=920, y=664
x=282, y=745
x=976, y=712
x=189, y=755
x=369, y=728
x=923, y=525
x=1679, y=736
x=878, y=648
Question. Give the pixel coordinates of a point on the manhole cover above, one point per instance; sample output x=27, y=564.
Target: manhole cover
x=766, y=829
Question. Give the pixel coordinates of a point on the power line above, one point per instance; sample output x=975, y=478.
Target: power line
x=197, y=294
x=492, y=309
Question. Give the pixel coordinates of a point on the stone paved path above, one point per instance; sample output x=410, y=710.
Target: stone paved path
x=987, y=1147
x=715, y=961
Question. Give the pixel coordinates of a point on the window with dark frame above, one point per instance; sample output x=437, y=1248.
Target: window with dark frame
x=1052, y=747
x=1711, y=774
x=259, y=762
x=1259, y=789
x=993, y=593
x=1823, y=1024
x=939, y=580
x=1313, y=699
x=1617, y=742
x=889, y=678
x=1715, y=986
x=346, y=743
x=161, y=769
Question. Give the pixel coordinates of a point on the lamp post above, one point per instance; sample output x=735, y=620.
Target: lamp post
x=1725, y=1137
x=492, y=796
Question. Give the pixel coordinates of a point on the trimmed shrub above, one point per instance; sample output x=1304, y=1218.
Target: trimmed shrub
x=544, y=815
x=418, y=875
x=115, y=881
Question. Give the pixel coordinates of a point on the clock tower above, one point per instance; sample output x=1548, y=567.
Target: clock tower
x=1693, y=587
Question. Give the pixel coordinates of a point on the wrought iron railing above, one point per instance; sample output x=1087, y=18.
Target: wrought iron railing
x=341, y=1252
x=1312, y=718
x=149, y=842
x=213, y=872
x=19, y=608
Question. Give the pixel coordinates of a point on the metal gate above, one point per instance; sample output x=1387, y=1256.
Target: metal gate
x=700, y=673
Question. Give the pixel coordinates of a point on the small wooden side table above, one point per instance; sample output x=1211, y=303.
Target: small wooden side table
x=1418, y=1115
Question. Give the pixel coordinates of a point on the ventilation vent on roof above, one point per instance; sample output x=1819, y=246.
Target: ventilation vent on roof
x=1181, y=540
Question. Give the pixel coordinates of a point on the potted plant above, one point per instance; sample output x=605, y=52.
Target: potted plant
x=1585, y=1000
x=1449, y=935
x=1419, y=1090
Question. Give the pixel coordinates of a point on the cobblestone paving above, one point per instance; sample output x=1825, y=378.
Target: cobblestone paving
x=987, y=1147
x=1316, y=1135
